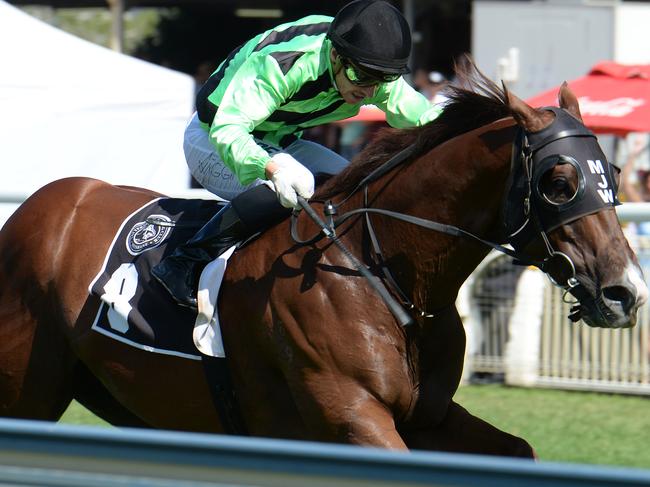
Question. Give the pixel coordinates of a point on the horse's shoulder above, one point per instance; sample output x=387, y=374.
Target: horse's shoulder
x=264, y=253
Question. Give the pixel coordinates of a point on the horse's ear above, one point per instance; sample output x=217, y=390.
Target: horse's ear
x=568, y=101
x=526, y=116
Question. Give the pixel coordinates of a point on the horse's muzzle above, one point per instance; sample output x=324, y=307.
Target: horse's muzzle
x=616, y=305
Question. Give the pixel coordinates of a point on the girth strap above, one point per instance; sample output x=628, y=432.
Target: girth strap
x=223, y=395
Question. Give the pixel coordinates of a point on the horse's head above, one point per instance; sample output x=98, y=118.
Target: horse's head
x=560, y=211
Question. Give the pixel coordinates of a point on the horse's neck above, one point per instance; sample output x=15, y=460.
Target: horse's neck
x=460, y=183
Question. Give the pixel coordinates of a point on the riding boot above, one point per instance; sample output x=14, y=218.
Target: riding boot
x=180, y=271
x=250, y=212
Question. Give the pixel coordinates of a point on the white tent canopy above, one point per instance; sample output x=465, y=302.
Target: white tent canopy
x=71, y=108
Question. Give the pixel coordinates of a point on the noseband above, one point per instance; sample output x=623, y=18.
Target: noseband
x=527, y=213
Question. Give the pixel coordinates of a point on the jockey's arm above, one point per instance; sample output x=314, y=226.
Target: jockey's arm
x=255, y=92
x=404, y=106
x=258, y=88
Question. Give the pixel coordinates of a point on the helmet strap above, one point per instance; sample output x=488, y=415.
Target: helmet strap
x=335, y=72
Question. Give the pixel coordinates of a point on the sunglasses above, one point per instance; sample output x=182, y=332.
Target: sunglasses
x=360, y=77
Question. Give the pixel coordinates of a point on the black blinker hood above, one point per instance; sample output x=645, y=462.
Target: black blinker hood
x=565, y=140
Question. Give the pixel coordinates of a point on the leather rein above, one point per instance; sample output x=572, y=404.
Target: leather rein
x=523, y=154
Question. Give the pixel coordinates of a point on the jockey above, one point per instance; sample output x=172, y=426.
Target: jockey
x=243, y=143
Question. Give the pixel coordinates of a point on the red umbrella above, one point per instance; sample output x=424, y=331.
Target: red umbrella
x=367, y=113
x=614, y=98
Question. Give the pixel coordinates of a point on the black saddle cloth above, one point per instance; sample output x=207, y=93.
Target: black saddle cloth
x=135, y=309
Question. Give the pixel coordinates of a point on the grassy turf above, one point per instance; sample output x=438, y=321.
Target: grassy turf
x=77, y=414
x=562, y=426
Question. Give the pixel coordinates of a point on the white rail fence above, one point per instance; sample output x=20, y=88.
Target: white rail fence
x=519, y=331
x=35, y=453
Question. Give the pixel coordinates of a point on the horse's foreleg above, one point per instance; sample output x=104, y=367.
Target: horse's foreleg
x=369, y=423
x=341, y=412
x=462, y=432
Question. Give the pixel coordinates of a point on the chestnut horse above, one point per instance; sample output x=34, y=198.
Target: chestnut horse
x=314, y=352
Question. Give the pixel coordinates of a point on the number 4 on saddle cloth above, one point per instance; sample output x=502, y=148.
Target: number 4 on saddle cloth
x=135, y=309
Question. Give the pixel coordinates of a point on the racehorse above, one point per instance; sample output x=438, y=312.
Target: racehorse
x=313, y=350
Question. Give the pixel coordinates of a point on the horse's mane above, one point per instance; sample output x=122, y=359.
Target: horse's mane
x=474, y=101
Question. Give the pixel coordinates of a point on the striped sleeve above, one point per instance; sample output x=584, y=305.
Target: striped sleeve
x=254, y=93
x=404, y=106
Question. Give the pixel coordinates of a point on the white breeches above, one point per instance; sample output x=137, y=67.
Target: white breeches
x=209, y=170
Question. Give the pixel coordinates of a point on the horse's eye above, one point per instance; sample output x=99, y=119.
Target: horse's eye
x=556, y=191
x=559, y=184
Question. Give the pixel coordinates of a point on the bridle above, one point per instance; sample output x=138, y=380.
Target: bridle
x=527, y=213
x=533, y=155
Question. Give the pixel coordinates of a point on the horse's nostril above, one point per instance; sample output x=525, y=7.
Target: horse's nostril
x=620, y=294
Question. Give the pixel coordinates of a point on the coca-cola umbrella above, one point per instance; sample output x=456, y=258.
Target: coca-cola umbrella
x=367, y=113
x=614, y=98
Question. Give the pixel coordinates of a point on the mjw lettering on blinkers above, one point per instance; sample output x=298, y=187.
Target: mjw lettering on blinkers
x=604, y=191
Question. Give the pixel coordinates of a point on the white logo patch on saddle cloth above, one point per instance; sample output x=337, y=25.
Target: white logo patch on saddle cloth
x=148, y=234
x=135, y=309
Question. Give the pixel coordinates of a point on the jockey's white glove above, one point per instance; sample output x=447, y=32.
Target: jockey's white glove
x=291, y=180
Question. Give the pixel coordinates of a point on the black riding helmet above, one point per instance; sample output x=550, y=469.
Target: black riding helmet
x=373, y=34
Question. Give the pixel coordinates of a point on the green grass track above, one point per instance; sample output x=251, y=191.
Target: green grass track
x=562, y=426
